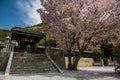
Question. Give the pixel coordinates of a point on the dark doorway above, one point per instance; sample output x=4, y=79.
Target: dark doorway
x=27, y=46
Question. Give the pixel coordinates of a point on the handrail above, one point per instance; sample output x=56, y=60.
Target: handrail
x=58, y=68
x=7, y=71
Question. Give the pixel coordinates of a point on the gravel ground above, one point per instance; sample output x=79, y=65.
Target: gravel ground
x=84, y=73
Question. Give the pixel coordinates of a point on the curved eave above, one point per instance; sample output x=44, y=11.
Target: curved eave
x=29, y=34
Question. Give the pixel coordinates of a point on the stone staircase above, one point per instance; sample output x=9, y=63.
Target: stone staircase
x=23, y=63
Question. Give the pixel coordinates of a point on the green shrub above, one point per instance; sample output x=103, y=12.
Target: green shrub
x=116, y=53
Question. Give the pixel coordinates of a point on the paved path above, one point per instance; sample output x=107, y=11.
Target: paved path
x=88, y=73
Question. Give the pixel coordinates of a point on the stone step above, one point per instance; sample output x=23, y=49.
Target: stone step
x=31, y=63
x=31, y=71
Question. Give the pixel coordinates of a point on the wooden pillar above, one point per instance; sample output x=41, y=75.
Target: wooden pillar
x=19, y=41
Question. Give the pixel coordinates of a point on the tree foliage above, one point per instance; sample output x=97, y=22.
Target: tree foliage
x=46, y=41
x=107, y=50
x=75, y=24
x=98, y=53
x=116, y=53
x=4, y=34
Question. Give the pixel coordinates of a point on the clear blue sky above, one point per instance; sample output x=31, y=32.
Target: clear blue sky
x=20, y=13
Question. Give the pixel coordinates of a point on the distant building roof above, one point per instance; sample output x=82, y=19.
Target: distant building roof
x=2, y=42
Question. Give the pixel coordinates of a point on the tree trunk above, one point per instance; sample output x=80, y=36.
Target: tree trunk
x=78, y=56
x=75, y=64
x=69, y=66
x=72, y=64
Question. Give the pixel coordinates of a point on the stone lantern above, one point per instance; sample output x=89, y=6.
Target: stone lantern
x=8, y=39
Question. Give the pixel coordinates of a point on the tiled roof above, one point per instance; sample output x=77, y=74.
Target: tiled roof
x=27, y=31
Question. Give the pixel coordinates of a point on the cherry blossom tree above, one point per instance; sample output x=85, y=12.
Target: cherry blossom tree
x=77, y=24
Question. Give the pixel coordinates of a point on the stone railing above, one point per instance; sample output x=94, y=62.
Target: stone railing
x=9, y=47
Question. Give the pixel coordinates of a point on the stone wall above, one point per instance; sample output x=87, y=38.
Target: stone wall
x=57, y=56
x=83, y=62
x=3, y=60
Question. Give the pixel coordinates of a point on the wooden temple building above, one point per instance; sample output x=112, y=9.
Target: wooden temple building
x=26, y=38
x=25, y=60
